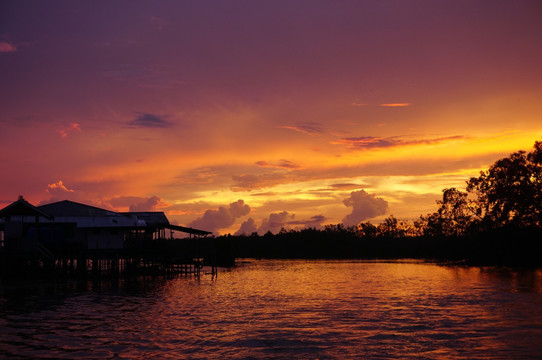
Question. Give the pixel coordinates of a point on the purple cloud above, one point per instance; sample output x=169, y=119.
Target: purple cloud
x=145, y=120
x=364, y=206
x=149, y=204
x=370, y=142
x=7, y=47
x=247, y=227
x=223, y=217
x=309, y=127
x=275, y=222
x=314, y=222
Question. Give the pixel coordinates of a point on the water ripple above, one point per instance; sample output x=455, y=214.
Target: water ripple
x=282, y=309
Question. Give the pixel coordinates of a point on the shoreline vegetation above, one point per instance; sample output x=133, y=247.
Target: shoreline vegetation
x=497, y=220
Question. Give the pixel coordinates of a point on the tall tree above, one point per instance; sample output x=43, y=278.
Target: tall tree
x=454, y=215
x=510, y=191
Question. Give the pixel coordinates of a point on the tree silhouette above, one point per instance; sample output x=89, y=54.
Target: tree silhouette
x=510, y=191
x=391, y=227
x=367, y=229
x=454, y=216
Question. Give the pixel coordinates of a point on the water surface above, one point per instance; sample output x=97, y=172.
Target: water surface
x=282, y=309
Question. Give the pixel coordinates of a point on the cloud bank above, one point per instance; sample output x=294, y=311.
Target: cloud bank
x=276, y=221
x=372, y=142
x=247, y=227
x=223, y=217
x=150, y=204
x=137, y=203
x=364, y=206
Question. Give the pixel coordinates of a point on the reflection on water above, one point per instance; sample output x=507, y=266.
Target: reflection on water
x=282, y=309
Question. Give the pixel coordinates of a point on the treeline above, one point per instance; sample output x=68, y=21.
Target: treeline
x=497, y=219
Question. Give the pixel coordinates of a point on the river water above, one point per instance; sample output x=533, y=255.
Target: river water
x=282, y=309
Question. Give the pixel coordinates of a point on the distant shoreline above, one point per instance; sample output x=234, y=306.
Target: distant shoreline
x=504, y=247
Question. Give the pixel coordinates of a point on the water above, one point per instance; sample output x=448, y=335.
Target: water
x=282, y=309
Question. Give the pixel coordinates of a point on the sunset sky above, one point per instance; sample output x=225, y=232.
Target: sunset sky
x=242, y=116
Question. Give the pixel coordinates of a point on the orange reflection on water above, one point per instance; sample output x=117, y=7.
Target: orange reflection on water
x=356, y=309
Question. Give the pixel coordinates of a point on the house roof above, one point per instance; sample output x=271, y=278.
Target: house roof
x=72, y=208
x=22, y=207
x=151, y=218
x=188, y=230
x=87, y=216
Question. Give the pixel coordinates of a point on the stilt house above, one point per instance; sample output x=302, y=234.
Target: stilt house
x=69, y=227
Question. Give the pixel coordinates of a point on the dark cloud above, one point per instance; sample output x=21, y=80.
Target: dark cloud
x=223, y=217
x=148, y=205
x=364, y=206
x=309, y=127
x=276, y=221
x=145, y=120
x=369, y=142
x=282, y=163
x=314, y=222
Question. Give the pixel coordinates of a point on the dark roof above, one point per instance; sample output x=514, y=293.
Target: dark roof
x=188, y=230
x=71, y=208
x=23, y=208
x=152, y=218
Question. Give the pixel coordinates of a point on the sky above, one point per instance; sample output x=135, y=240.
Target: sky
x=244, y=116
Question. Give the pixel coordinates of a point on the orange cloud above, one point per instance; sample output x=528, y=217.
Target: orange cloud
x=395, y=105
x=58, y=186
x=179, y=212
x=73, y=127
